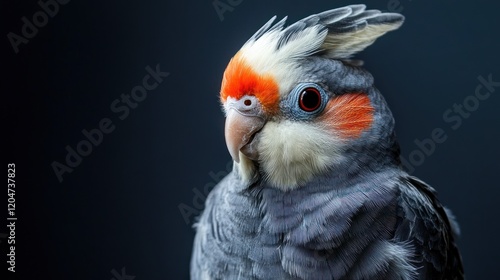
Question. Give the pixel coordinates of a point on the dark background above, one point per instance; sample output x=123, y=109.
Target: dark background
x=119, y=208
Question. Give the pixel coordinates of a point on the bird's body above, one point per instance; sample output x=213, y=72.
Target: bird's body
x=317, y=190
x=350, y=230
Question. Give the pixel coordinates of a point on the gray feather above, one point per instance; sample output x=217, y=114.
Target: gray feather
x=347, y=29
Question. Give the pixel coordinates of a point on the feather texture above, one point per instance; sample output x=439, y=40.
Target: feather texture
x=326, y=197
x=337, y=33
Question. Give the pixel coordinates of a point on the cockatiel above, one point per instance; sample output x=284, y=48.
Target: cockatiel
x=317, y=189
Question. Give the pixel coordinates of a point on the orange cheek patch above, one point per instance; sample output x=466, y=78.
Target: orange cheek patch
x=240, y=79
x=349, y=114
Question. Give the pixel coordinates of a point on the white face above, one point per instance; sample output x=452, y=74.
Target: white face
x=291, y=153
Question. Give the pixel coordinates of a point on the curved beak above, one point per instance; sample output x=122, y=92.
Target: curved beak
x=244, y=118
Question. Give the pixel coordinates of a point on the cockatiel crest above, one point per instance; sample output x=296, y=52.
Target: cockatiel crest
x=317, y=189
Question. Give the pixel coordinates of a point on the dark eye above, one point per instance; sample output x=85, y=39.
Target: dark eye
x=309, y=99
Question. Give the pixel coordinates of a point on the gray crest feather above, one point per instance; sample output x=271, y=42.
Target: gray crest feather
x=348, y=30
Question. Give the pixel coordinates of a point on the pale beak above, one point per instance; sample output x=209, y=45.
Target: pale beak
x=244, y=118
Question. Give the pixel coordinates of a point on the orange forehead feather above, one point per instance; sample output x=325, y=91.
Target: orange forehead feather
x=240, y=79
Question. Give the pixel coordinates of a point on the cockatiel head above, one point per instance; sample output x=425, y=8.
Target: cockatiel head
x=296, y=105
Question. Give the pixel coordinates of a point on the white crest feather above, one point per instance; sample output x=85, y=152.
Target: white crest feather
x=337, y=34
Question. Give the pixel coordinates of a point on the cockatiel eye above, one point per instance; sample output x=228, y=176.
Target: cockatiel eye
x=309, y=99
x=306, y=101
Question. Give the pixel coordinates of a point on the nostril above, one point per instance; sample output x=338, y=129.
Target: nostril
x=247, y=102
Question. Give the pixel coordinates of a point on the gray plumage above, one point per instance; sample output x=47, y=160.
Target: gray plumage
x=363, y=218
x=373, y=228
